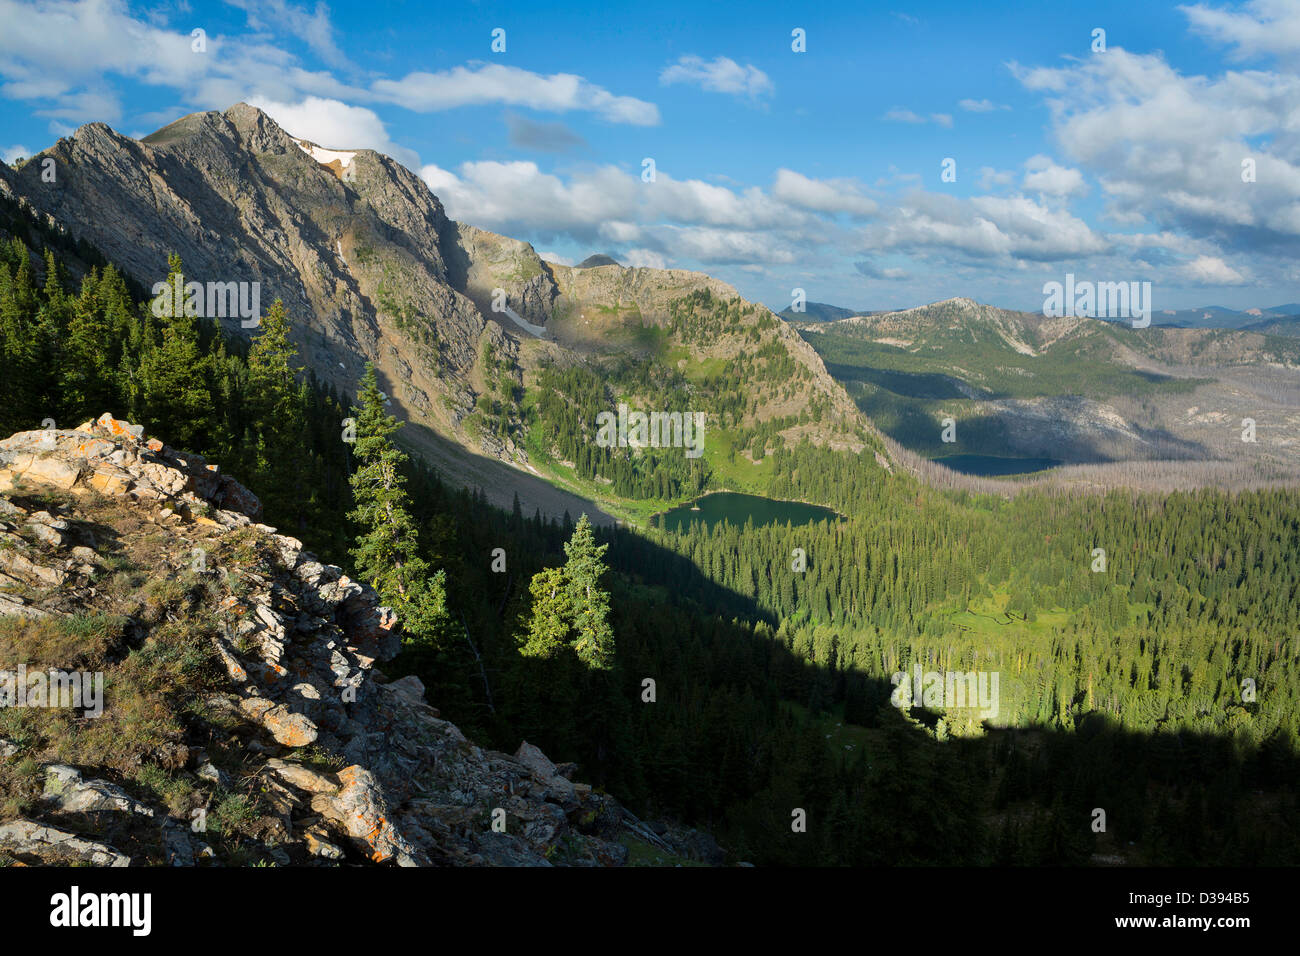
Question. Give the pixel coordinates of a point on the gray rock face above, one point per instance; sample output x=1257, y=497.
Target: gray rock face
x=26, y=838
x=366, y=261
x=299, y=642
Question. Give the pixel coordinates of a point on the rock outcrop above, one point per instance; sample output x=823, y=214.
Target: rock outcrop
x=300, y=751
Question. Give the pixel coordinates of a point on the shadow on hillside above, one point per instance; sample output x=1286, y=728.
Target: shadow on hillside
x=743, y=732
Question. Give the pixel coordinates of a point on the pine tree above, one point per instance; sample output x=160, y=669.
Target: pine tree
x=88, y=378
x=570, y=610
x=387, y=550
x=278, y=405
x=173, y=374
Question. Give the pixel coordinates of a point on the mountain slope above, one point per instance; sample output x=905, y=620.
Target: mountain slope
x=372, y=270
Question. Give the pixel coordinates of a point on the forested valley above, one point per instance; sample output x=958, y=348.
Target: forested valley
x=1161, y=688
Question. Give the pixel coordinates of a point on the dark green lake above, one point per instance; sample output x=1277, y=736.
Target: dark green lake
x=993, y=466
x=737, y=509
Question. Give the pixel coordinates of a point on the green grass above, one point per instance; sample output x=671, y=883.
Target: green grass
x=739, y=474
x=640, y=853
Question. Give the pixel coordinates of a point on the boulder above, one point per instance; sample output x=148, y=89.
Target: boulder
x=361, y=811
x=53, y=846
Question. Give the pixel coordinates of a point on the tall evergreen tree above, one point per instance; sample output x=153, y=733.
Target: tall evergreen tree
x=173, y=374
x=570, y=610
x=278, y=407
x=387, y=548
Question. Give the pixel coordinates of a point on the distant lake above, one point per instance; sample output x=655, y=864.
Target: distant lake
x=738, y=508
x=993, y=466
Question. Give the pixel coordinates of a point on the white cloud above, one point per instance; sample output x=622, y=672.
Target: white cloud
x=1168, y=148
x=1263, y=27
x=645, y=259
x=515, y=197
x=719, y=75
x=900, y=115
x=99, y=38
x=981, y=106
x=1046, y=177
x=990, y=177
x=11, y=154
x=483, y=83
x=675, y=219
x=984, y=227
x=828, y=196
x=314, y=29
x=706, y=244
x=1210, y=270
x=336, y=125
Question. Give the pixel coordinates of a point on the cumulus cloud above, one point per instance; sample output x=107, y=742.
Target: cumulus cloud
x=519, y=197
x=1176, y=152
x=335, y=125
x=983, y=227
x=101, y=38
x=645, y=259
x=482, y=83
x=674, y=219
x=828, y=196
x=98, y=39
x=1211, y=270
x=719, y=75
x=1261, y=27
x=1046, y=177
x=11, y=154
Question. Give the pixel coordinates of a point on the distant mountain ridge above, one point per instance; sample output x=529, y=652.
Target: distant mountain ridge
x=818, y=312
x=1083, y=390
x=1208, y=317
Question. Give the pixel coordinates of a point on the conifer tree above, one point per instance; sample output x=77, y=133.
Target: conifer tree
x=173, y=374
x=277, y=405
x=570, y=610
x=387, y=549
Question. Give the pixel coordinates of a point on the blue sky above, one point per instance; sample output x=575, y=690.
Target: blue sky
x=774, y=169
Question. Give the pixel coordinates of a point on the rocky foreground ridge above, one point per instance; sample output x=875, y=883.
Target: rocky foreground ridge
x=244, y=720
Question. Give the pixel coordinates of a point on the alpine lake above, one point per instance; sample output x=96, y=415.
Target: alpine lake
x=736, y=508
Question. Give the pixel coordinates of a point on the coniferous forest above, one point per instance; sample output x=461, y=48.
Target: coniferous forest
x=1158, y=685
